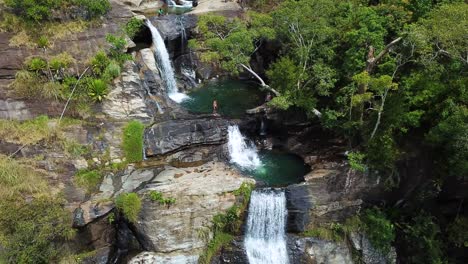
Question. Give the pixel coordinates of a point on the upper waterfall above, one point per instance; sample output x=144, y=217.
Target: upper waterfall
x=243, y=154
x=265, y=240
x=167, y=71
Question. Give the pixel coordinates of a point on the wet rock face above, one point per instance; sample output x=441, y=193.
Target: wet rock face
x=170, y=136
x=298, y=204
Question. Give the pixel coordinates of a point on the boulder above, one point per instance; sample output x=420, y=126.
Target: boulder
x=312, y=250
x=171, y=26
x=200, y=193
x=234, y=253
x=174, y=135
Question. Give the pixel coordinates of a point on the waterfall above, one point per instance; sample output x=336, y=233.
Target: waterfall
x=242, y=153
x=262, y=127
x=265, y=239
x=160, y=111
x=183, y=3
x=167, y=72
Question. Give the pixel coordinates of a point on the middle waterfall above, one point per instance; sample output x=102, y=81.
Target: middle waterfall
x=265, y=240
x=167, y=72
x=243, y=154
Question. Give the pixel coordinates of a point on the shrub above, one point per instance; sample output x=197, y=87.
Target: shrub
x=457, y=232
x=99, y=62
x=27, y=84
x=61, y=61
x=88, y=179
x=112, y=71
x=133, y=141
x=117, y=49
x=379, y=229
x=356, y=161
x=97, y=90
x=325, y=233
x=33, y=10
x=219, y=239
x=73, y=148
x=36, y=64
x=34, y=231
x=95, y=8
x=130, y=205
x=156, y=196
x=52, y=90
x=43, y=42
x=133, y=26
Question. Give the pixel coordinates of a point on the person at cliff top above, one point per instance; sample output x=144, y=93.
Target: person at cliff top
x=160, y=12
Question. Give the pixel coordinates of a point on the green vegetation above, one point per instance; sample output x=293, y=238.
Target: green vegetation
x=156, y=196
x=457, y=232
x=132, y=143
x=39, y=10
x=219, y=240
x=27, y=132
x=356, y=161
x=226, y=225
x=373, y=222
x=129, y=204
x=133, y=26
x=97, y=89
x=88, y=179
x=387, y=76
x=19, y=216
x=379, y=229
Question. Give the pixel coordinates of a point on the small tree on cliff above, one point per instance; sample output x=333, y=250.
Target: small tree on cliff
x=230, y=42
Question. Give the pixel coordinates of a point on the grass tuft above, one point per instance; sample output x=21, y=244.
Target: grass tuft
x=133, y=141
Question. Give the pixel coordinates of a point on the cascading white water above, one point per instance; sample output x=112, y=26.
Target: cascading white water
x=243, y=154
x=162, y=57
x=183, y=3
x=265, y=239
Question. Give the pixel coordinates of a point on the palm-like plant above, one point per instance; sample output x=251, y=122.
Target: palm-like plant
x=97, y=90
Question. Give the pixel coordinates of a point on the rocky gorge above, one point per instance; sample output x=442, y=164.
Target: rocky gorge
x=186, y=160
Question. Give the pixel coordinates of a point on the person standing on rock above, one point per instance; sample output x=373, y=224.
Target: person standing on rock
x=215, y=107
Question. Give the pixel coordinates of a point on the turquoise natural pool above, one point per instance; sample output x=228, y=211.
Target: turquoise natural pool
x=234, y=97
x=279, y=168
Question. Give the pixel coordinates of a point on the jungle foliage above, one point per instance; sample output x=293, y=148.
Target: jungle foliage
x=381, y=74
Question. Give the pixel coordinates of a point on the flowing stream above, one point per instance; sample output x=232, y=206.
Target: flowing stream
x=167, y=72
x=265, y=239
x=241, y=152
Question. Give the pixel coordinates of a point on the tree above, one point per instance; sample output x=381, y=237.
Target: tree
x=230, y=42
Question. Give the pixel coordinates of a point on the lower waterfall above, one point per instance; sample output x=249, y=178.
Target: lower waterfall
x=265, y=239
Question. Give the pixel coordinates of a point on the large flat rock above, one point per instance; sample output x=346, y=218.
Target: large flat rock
x=176, y=231
x=174, y=135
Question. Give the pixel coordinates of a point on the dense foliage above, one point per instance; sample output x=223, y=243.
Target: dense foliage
x=389, y=76
x=40, y=10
